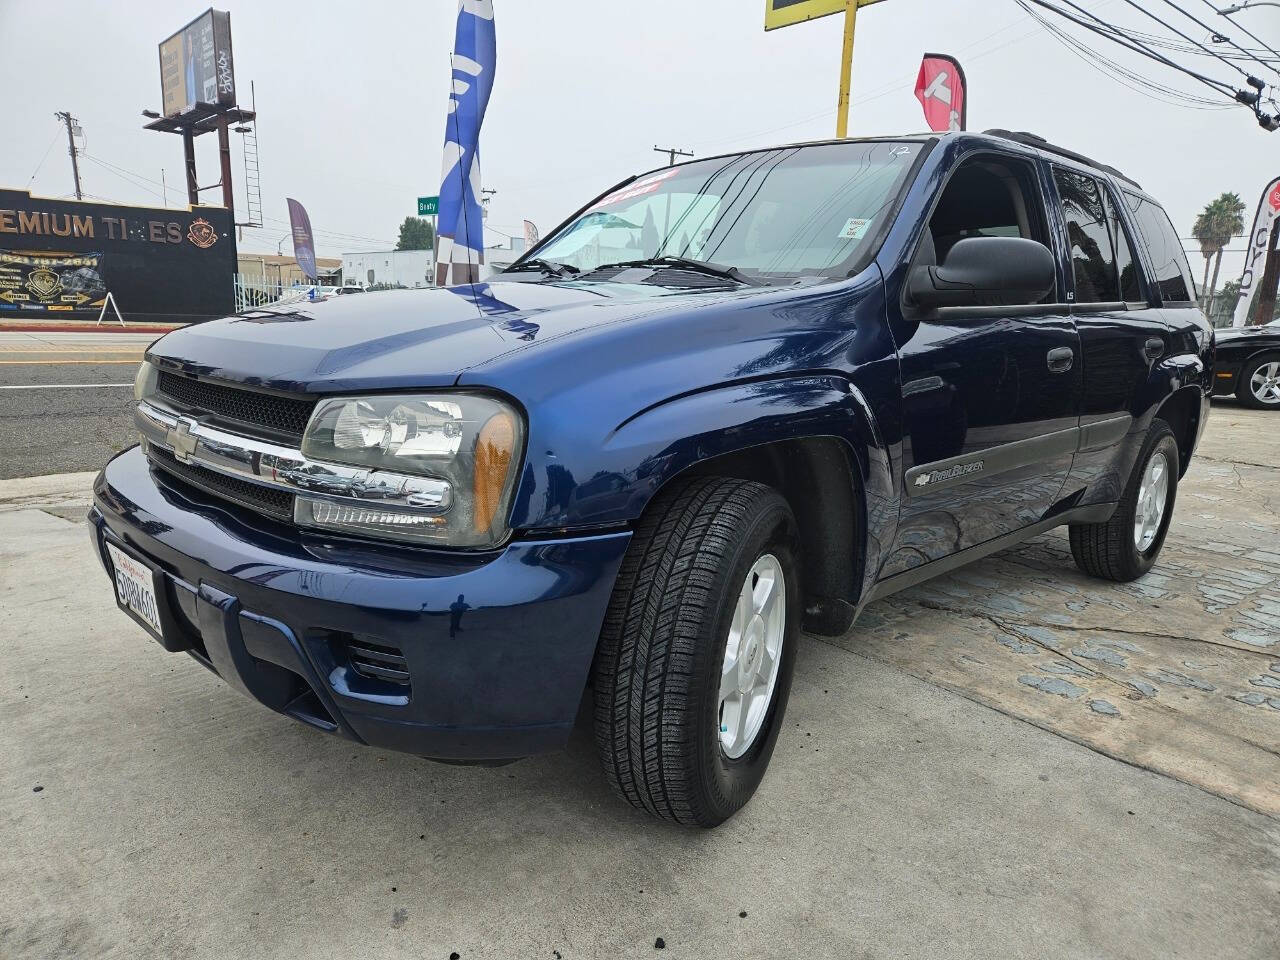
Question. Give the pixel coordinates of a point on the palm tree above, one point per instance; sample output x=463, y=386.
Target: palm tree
x=1220, y=220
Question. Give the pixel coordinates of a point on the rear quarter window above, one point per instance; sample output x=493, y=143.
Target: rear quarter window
x=1169, y=266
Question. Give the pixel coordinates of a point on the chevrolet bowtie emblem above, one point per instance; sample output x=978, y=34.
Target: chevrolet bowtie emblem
x=181, y=439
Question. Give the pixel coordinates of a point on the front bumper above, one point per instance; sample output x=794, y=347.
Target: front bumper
x=497, y=647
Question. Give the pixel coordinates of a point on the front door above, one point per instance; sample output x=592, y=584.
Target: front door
x=990, y=396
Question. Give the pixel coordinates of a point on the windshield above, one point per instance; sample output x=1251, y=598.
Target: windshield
x=796, y=211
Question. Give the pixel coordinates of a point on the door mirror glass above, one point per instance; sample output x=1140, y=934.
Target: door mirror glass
x=985, y=272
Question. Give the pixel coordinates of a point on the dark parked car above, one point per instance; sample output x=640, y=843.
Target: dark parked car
x=725, y=399
x=1248, y=365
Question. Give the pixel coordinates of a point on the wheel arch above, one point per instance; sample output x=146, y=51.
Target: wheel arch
x=815, y=440
x=1183, y=410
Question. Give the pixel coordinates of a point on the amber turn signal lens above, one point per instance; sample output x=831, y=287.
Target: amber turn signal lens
x=494, y=448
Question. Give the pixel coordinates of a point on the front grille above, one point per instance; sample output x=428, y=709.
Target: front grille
x=275, y=503
x=377, y=661
x=282, y=416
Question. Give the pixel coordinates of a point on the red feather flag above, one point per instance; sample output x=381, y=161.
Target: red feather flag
x=940, y=88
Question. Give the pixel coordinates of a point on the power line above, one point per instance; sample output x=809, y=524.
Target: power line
x=1113, y=33
x=1217, y=35
x=1123, y=75
x=1245, y=30
x=132, y=177
x=43, y=158
x=1170, y=27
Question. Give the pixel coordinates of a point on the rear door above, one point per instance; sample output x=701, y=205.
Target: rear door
x=1122, y=332
x=990, y=395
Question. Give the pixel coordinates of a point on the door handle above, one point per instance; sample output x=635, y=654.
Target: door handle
x=1061, y=359
x=1153, y=348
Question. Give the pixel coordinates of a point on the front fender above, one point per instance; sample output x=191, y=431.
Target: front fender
x=649, y=449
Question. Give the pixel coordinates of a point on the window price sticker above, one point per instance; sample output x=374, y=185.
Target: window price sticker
x=854, y=229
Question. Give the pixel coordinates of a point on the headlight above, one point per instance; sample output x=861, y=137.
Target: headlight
x=469, y=446
x=144, y=384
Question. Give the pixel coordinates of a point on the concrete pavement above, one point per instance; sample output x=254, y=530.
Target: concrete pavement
x=909, y=811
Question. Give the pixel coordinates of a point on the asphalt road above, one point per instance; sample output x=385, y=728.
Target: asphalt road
x=65, y=400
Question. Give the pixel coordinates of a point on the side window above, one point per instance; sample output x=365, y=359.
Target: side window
x=1130, y=281
x=987, y=196
x=1169, y=264
x=1093, y=260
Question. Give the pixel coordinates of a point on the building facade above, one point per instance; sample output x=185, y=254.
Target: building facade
x=388, y=268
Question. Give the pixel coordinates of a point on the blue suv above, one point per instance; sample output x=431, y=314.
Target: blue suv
x=724, y=401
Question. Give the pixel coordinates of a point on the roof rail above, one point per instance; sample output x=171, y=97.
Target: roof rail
x=1040, y=143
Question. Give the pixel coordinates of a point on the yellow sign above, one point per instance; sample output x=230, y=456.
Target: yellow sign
x=783, y=13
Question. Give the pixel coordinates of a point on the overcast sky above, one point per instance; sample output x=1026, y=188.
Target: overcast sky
x=352, y=99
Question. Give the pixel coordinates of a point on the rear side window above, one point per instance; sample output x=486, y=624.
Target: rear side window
x=1169, y=264
x=1093, y=259
x=1130, y=284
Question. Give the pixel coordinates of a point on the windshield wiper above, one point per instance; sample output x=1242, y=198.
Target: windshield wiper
x=552, y=267
x=686, y=263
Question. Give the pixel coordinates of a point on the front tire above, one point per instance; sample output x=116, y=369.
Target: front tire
x=1126, y=546
x=694, y=666
x=1259, y=383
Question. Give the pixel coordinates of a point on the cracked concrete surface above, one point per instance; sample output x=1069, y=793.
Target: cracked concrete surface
x=901, y=816
x=1187, y=658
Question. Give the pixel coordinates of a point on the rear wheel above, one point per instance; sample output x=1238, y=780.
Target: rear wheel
x=694, y=667
x=1259, y=382
x=1126, y=546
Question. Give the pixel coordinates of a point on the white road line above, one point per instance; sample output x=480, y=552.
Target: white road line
x=62, y=386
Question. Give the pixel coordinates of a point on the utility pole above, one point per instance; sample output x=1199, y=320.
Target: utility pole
x=486, y=194
x=672, y=153
x=72, y=126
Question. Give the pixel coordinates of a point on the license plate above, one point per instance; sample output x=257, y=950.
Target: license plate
x=135, y=589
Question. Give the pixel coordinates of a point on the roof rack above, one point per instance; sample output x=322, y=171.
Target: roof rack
x=1040, y=143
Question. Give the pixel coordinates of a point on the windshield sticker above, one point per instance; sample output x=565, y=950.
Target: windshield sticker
x=637, y=189
x=854, y=229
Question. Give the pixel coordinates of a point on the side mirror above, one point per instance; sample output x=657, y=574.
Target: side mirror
x=985, y=272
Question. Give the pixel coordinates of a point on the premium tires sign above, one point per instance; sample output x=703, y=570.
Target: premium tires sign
x=62, y=256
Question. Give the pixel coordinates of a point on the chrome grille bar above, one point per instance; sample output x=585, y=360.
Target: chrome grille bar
x=285, y=468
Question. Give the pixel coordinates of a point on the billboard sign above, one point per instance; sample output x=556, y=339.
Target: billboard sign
x=64, y=256
x=783, y=13
x=196, y=65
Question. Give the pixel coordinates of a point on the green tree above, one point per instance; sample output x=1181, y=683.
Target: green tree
x=1224, y=304
x=416, y=234
x=1220, y=220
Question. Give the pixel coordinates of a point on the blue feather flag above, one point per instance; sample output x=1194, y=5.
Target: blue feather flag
x=460, y=244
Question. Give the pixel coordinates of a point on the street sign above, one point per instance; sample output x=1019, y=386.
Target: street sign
x=428, y=206
x=783, y=13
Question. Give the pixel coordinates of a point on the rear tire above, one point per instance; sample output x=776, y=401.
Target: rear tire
x=1125, y=547
x=1265, y=394
x=659, y=714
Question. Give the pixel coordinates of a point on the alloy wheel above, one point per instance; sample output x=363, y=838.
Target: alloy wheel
x=752, y=656
x=1152, y=496
x=1265, y=383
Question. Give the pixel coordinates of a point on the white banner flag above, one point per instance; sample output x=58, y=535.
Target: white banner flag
x=1255, y=260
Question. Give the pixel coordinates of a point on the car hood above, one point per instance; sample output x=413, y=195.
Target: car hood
x=407, y=338
x=1227, y=334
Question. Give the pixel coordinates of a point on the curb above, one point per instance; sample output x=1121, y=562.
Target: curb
x=78, y=328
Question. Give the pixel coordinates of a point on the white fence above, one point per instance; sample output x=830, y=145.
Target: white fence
x=255, y=291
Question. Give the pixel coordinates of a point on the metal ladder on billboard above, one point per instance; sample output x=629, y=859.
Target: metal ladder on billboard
x=252, y=177
x=109, y=302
